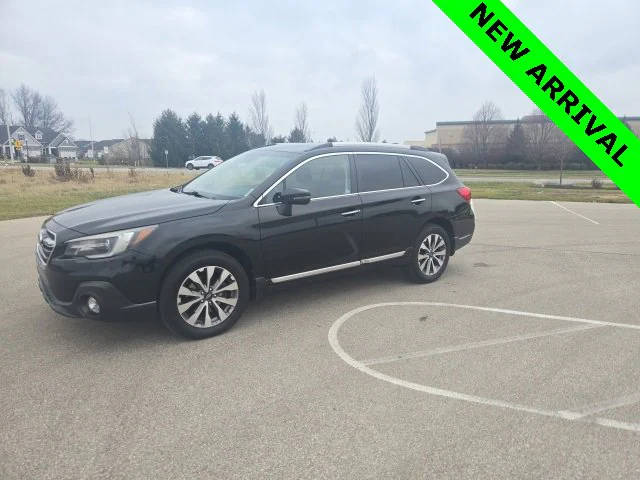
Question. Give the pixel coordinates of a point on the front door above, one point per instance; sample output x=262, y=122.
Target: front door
x=324, y=233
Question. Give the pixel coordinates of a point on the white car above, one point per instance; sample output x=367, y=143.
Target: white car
x=205, y=161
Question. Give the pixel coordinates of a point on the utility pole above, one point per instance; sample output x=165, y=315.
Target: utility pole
x=93, y=154
x=9, y=140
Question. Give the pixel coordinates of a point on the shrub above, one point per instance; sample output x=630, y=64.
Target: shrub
x=63, y=171
x=596, y=183
x=27, y=171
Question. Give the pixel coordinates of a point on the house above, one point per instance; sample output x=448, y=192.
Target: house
x=31, y=147
x=59, y=145
x=101, y=148
x=38, y=143
x=130, y=151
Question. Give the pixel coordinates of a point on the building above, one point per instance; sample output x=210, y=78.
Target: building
x=38, y=143
x=452, y=136
x=130, y=151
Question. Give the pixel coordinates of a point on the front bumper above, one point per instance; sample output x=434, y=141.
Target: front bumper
x=113, y=304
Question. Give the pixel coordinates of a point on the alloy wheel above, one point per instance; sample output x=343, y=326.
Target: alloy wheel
x=432, y=254
x=207, y=296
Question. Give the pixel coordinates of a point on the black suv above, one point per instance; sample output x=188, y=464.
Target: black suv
x=195, y=254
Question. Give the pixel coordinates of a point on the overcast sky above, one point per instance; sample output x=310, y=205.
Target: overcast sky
x=103, y=60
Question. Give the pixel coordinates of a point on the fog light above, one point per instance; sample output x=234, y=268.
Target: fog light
x=93, y=305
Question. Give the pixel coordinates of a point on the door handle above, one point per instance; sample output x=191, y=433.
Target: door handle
x=350, y=213
x=418, y=201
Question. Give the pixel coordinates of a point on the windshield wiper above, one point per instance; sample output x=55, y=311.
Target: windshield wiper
x=194, y=193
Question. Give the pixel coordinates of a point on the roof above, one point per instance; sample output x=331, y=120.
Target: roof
x=3, y=132
x=344, y=146
x=48, y=135
x=106, y=143
x=525, y=119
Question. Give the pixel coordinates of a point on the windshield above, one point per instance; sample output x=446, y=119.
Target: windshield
x=240, y=175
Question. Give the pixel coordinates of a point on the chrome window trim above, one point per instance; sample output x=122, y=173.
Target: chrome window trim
x=283, y=177
x=335, y=268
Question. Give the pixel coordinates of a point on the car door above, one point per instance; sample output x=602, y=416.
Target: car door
x=394, y=204
x=326, y=232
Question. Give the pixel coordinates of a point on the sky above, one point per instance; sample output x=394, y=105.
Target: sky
x=105, y=62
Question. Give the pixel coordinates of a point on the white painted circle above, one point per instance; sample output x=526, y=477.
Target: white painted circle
x=563, y=414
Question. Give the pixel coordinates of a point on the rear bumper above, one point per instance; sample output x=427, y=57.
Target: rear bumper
x=460, y=242
x=113, y=304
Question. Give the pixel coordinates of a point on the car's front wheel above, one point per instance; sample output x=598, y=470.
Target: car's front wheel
x=204, y=294
x=430, y=255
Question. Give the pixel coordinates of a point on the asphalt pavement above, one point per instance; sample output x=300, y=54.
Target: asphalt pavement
x=521, y=362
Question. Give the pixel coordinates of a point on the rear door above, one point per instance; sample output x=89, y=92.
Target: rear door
x=324, y=233
x=394, y=204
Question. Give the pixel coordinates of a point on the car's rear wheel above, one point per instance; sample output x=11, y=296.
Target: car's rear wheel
x=189, y=166
x=204, y=294
x=210, y=166
x=430, y=254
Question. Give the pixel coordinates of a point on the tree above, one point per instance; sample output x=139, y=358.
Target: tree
x=516, y=146
x=539, y=132
x=196, y=135
x=259, y=119
x=278, y=139
x=214, y=135
x=169, y=133
x=301, y=125
x=367, y=120
x=483, y=132
x=235, y=136
x=51, y=117
x=296, y=136
x=37, y=111
x=562, y=148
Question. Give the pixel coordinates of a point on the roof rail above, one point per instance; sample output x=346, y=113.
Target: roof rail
x=418, y=147
x=367, y=144
x=322, y=145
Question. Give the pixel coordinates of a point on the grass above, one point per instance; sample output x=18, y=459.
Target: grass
x=527, y=191
x=43, y=194
x=533, y=174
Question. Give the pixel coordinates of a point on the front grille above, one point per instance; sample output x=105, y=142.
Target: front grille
x=46, y=244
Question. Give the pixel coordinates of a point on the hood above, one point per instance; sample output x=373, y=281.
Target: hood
x=135, y=210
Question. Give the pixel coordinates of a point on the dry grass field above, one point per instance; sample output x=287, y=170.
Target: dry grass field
x=44, y=194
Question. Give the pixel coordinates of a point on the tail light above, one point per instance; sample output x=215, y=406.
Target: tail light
x=465, y=192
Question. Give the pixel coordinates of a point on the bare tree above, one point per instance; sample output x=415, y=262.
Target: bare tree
x=51, y=117
x=367, y=120
x=540, y=132
x=483, y=132
x=38, y=111
x=259, y=118
x=134, y=146
x=302, y=122
x=28, y=103
x=561, y=147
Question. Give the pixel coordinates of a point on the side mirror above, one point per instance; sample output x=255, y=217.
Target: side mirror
x=294, y=196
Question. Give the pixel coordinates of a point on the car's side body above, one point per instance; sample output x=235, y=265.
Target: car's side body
x=358, y=224
x=203, y=161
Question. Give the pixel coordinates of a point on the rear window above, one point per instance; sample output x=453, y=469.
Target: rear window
x=378, y=172
x=429, y=172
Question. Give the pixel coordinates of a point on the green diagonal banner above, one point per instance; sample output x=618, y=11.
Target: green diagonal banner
x=600, y=134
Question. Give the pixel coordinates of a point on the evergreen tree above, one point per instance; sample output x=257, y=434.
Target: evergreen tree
x=169, y=133
x=278, y=139
x=196, y=135
x=214, y=135
x=235, y=136
x=297, y=136
x=516, y=146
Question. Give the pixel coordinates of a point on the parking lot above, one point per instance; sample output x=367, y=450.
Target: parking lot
x=522, y=361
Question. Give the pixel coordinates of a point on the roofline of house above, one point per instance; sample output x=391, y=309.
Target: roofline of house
x=509, y=122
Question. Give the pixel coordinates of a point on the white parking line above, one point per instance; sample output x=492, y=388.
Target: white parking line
x=472, y=345
x=440, y=392
x=589, y=410
x=575, y=213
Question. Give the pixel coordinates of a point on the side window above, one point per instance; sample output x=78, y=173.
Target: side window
x=430, y=173
x=378, y=172
x=323, y=177
x=410, y=179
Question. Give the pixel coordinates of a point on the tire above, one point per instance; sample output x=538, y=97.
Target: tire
x=430, y=255
x=202, y=313
x=189, y=166
x=210, y=166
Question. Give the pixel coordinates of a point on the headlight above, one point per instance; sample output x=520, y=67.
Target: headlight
x=107, y=244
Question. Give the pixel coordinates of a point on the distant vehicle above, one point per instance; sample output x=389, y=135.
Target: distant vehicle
x=195, y=254
x=204, y=161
